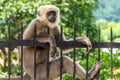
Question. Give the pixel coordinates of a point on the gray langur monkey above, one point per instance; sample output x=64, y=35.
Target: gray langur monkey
x=47, y=30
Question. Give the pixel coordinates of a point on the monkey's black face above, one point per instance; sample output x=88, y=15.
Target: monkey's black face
x=51, y=15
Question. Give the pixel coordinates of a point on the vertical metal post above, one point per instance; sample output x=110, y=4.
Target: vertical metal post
x=61, y=58
x=9, y=52
x=74, y=54
x=48, y=63
x=111, y=58
x=99, y=32
x=35, y=31
x=21, y=37
x=87, y=57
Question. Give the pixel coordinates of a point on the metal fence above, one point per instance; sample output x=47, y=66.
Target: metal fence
x=12, y=43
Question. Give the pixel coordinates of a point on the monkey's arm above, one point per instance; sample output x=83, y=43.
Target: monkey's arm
x=83, y=40
x=58, y=37
x=30, y=31
x=44, y=38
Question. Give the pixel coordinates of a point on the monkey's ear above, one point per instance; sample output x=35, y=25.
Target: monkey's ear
x=38, y=13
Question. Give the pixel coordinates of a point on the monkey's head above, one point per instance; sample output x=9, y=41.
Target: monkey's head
x=48, y=14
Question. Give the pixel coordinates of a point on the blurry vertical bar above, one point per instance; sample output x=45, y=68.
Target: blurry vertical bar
x=8, y=52
x=21, y=38
x=99, y=32
x=61, y=58
x=74, y=54
x=48, y=63
x=74, y=48
x=35, y=31
x=87, y=57
x=111, y=58
x=47, y=67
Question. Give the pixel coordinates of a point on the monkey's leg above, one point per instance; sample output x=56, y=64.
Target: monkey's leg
x=80, y=72
x=54, y=70
x=67, y=68
x=94, y=70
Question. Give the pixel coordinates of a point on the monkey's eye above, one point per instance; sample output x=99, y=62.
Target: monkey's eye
x=51, y=13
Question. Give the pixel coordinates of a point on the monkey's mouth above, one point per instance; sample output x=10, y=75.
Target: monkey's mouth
x=52, y=20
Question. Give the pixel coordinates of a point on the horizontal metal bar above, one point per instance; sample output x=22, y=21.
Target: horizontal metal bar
x=94, y=44
x=76, y=44
x=106, y=45
x=14, y=43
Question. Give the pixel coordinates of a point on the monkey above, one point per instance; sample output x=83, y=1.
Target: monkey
x=48, y=31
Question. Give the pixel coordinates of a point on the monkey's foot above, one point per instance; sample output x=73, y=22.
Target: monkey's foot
x=95, y=69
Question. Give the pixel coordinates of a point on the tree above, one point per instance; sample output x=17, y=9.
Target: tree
x=73, y=13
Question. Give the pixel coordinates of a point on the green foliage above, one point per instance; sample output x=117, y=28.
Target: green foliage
x=67, y=77
x=16, y=70
x=73, y=13
x=3, y=74
x=106, y=27
x=105, y=72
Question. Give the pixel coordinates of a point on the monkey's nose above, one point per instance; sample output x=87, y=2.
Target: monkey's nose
x=52, y=19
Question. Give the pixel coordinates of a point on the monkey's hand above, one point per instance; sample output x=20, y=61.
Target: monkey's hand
x=87, y=42
x=52, y=46
x=48, y=38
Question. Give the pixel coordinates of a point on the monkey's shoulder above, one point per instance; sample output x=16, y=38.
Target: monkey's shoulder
x=36, y=21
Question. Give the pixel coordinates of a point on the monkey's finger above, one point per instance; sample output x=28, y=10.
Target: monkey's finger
x=89, y=49
x=53, y=54
x=53, y=51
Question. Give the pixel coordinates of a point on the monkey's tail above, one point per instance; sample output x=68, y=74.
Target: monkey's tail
x=25, y=77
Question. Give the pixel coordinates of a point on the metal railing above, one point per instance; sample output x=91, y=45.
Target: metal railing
x=12, y=43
